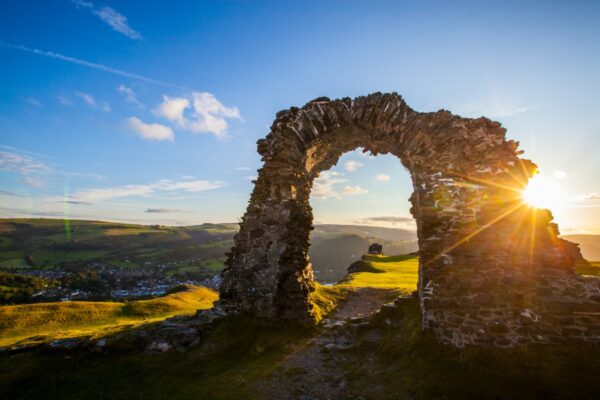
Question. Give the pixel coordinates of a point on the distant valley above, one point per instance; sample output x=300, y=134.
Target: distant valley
x=95, y=260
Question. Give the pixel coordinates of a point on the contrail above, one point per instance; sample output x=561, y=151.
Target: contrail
x=85, y=63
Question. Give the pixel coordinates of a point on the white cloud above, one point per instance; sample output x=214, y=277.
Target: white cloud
x=242, y=168
x=85, y=63
x=82, y=3
x=382, y=177
x=161, y=210
x=206, y=114
x=20, y=163
x=34, y=181
x=34, y=102
x=114, y=19
x=323, y=185
x=558, y=174
x=129, y=95
x=354, y=190
x=144, y=190
x=117, y=21
x=251, y=177
x=394, y=220
x=90, y=101
x=172, y=108
x=25, y=165
x=65, y=101
x=150, y=131
x=588, y=197
x=352, y=165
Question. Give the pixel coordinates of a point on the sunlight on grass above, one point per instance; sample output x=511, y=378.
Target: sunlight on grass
x=395, y=273
x=78, y=318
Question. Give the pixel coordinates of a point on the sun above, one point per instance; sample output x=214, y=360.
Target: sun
x=542, y=192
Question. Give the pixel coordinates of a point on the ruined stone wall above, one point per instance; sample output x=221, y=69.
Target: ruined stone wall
x=484, y=255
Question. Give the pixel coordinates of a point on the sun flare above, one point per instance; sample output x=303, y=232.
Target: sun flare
x=542, y=192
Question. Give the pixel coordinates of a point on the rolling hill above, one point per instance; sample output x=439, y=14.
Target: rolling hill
x=190, y=250
x=44, y=322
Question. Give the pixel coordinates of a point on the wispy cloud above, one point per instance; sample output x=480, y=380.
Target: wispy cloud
x=113, y=18
x=10, y=194
x=352, y=165
x=90, y=101
x=558, y=174
x=390, y=219
x=34, y=181
x=155, y=132
x=25, y=165
x=144, y=190
x=130, y=95
x=588, y=197
x=21, y=163
x=33, y=102
x=118, y=22
x=382, y=177
x=201, y=112
x=323, y=186
x=85, y=63
x=242, y=168
x=354, y=190
x=63, y=100
x=75, y=202
x=161, y=210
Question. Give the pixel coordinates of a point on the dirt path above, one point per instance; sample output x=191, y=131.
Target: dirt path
x=312, y=371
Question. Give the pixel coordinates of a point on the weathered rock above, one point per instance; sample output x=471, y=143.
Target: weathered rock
x=484, y=254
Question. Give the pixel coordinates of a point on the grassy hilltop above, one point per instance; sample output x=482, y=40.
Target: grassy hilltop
x=44, y=322
x=251, y=359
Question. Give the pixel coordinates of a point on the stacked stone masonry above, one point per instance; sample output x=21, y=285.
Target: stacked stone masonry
x=493, y=270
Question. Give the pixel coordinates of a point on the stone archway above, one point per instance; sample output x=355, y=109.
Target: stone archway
x=483, y=253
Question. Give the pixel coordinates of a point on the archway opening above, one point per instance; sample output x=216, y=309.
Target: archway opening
x=363, y=248
x=360, y=201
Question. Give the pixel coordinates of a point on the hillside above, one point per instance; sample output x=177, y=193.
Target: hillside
x=42, y=243
x=344, y=358
x=184, y=253
x=44, y=322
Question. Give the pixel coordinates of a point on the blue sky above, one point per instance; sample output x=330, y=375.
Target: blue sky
x=113, y=110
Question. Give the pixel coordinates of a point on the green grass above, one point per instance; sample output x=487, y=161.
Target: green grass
x=398, y=274
x=11, y=254
x=54, y=257
x=217, y=243
x=592, y=270
x=240, y=352
x=124, y=264
x=214, y=264
x=16, y=263
x=5, y=242
x=77, y=318
x=403, y=362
